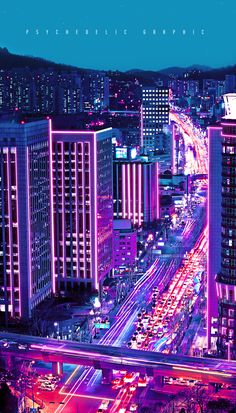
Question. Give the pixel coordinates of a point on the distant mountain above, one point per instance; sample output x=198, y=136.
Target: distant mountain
x=181, y=70
x=146, y=77
x=9, y=60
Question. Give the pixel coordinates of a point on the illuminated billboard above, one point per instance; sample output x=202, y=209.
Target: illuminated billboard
x=121, y=152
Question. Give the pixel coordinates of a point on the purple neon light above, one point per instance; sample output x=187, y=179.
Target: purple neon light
x=209, y=315
x=228, y=124
x=157, y=190
x=76, y=208
x=173, y=150
x=128, y=191
x=52, y=206
x=9, y=232
x=18, y=237
x=134, y=192
x=141, y=140
x=139, y=194
x=83, y=195
x=95, y=211
x=224, y=135
x=80, y=132
x=29, y=220
x=90, y=212
x=123, y=191
x=63, y=209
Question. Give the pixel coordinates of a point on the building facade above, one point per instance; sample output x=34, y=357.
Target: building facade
x=136, y=190
x=226, y=277
x=25, y=244
x=125, y=244
x=214, y=230
x=154, y=115
x=82, y=208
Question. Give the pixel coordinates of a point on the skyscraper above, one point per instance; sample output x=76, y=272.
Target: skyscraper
x=82, y=208
x=226, y=277
x=95, y=88
x=25, y=246
x=136, y=190
x=214, y=228
x=154, y=115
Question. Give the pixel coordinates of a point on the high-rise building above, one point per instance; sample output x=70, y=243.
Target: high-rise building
x=95, y=91
x=82, y=208
x=226, y=277
x=154, y=115
x=41, y=91
x=125, y=244
x=25, y=245
x=230, y=83
x=214, y=229
x=136, y=190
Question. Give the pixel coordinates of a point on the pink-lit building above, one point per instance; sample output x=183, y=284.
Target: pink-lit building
x=214, y=225
x=82, y=208
x=25, y=239
x=136, y=190
x=125, y=244
x=222, y=231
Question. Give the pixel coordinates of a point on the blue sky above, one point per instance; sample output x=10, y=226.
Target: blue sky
x=215, y=48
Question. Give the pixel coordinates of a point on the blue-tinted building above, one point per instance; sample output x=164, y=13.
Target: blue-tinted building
x=25, y=247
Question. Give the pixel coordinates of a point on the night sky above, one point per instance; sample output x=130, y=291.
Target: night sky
x=217, y=47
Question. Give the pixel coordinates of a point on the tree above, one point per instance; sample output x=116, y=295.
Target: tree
x=219, y=405
x=8, y=402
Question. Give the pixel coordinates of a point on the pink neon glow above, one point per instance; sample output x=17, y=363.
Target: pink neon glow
x=18, y=238
x=29, y=220
x=90, y=215
x=59, y=349
x=128, y=190
x=59, y=368
x=173, y=150
x=63, y=209
x=157, y=191
x=83, y=193
x=208, y=324
x=139, y=194
x=10, y=233
x=141, y=140
x=228, y=124
x=76, y=209
x=79, y=132
x=52, y=206
x=224, y=135
x=134, y=193
x=209, y=317
x=95, y=210
x=123, y=191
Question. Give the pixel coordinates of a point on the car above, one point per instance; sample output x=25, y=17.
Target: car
x=132, y=388
x=104, y=405
x=22, y=346
x=142, y=382
x=129, y=377
x=4, y=343
x=133, y=407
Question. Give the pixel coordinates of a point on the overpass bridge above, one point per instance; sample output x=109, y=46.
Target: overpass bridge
x=107, y=358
